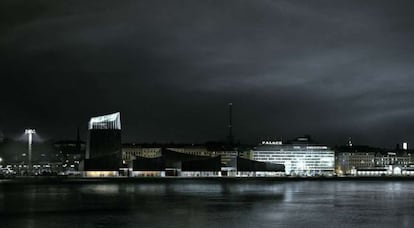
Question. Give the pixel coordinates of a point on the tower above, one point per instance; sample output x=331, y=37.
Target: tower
x=104, y=136
x=30, y=133
x=104, y=147
x=230, y=126
x=350, y=142
x=78, y=146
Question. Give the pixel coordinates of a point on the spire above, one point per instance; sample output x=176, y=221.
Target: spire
x=78, y=146
x=350, y=142
x=230, y=126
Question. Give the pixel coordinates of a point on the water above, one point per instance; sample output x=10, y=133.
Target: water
x=209, y=203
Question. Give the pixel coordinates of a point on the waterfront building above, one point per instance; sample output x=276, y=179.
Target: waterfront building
x=398, y=157
x=368, y=161
x=70, y=153
x=104, y=136
x=130, y=151
x=300, y=156
x=243, y=167
x=172, y=163
x=104, y=147
x=45, y=160
x=349, y=158
x=226, y=153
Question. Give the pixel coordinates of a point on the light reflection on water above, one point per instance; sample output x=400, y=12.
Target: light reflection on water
x=201, y=203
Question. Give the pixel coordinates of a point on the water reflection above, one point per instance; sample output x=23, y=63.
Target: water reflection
x=209, y=203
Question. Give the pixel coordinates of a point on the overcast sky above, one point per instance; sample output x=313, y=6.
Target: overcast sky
x=332, y=69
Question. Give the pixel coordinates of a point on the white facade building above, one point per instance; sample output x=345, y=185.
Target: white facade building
x=299, y=159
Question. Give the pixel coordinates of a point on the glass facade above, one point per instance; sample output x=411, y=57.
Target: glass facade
x=298, y=159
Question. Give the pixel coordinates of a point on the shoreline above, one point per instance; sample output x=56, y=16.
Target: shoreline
x=185, y=180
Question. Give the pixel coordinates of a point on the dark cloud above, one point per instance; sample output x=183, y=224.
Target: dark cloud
x=333, y=69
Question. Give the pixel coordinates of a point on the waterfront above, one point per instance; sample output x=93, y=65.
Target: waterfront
x=208, y=203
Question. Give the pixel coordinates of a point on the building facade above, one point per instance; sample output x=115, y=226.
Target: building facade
x=104, y=136
x=368, y=161
x=350, y=158
x=70, y=153
x=300, y=157
x=104, y=146
x=130, y=151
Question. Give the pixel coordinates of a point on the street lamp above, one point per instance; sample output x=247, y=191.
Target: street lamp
x=29, y=133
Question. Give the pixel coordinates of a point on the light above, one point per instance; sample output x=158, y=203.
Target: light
x=111, y=121
x=272, y=143
x=405, y=146
x=101, y=173
x=317, y=147
x=29, y=131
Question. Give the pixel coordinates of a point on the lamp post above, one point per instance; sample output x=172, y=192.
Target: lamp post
x=29, y=133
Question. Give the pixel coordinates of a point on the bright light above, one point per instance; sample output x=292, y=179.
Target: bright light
x=111, y=121
x=29, y=131
x=405, y=146
x=101, y=173
x=272, y=143
x=317, y=147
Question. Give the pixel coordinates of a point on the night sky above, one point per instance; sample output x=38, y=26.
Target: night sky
x=332, y=69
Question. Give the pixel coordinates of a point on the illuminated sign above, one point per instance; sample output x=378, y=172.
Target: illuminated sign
x=272, y=143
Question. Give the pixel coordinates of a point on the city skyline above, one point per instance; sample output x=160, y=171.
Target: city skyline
x=329, y=69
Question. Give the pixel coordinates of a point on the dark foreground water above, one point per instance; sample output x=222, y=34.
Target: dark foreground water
x=209, y=203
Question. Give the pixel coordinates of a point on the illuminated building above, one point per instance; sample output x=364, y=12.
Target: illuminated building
x=384, y=159
x=172, y=163
x=347, y=161
x=70, y=152
x=300, y=157
x=130, y=151
x=349, y=158
x=104, y=147
x=368, y=161
x=29, y=133
x=242, y=167
x=104, y=136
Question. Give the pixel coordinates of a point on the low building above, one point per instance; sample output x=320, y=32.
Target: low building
x=70, y=153
x=369, y=161
x=242, y=167
x=226, y=153
x=172, y=163
x=130, y=151
x=397, y=157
